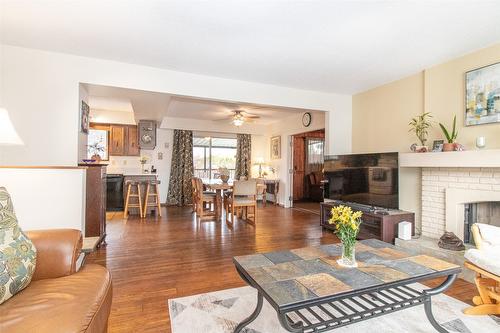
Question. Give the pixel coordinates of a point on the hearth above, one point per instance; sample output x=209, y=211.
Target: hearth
x=480, y=212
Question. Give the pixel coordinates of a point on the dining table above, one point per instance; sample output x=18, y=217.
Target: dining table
x=219, y=187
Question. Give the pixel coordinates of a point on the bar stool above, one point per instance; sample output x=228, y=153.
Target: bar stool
x=155, y=195
x=130, y=195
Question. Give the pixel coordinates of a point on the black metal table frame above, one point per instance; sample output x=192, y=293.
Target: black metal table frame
x=363, y=304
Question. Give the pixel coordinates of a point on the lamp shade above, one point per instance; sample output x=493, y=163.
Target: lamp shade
x=8, y=134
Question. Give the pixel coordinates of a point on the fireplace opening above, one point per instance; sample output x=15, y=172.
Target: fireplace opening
x=480, y=212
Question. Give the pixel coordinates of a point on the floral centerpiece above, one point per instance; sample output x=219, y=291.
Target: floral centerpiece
x=223, y=174
x=346, y=228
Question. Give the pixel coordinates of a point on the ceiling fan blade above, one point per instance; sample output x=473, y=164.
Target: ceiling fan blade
x=224, y=119
x=248, y=115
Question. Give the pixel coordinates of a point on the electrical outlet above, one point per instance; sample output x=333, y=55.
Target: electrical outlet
x=160, y=155
x=124, y=162
x=167, y=145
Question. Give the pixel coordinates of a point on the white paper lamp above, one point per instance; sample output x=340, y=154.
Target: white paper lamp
x=8, y=134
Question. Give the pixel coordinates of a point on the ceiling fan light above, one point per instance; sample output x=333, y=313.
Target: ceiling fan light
x=237, y=122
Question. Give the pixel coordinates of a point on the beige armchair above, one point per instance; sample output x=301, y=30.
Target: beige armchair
x=484, y=261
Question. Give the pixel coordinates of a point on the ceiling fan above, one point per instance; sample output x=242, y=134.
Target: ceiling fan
x=239, y=117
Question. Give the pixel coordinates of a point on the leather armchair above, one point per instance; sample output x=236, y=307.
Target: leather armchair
x=315, y=186
x=60, y=298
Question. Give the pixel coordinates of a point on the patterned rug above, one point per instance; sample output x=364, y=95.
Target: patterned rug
x=221, y=311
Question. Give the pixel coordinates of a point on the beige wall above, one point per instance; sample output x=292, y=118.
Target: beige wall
x=380, y=123
x=444, y=96
x=380, y=116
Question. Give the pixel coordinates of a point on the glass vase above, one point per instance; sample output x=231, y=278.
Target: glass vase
x=348, y=258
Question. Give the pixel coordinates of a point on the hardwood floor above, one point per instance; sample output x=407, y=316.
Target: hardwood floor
x=152, y=260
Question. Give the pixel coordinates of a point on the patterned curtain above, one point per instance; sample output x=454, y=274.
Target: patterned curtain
x=243, y=152
x=179, y=188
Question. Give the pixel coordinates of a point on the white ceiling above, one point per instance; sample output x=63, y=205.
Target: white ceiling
x=153, y=105
x=183, y=107
x=326, y=45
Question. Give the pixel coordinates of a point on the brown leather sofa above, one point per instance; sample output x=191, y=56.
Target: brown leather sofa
x=59, y=299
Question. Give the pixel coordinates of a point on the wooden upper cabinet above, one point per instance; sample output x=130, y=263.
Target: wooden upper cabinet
x=117, y=140
x=132, y=141
x=123, y=139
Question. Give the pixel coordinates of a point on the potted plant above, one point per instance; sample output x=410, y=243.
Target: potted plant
x=346, y=229
x=450, y=136
x=96, y=149
x=421, y=125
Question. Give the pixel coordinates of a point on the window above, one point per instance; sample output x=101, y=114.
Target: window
x=314, y=154
x=211, y=153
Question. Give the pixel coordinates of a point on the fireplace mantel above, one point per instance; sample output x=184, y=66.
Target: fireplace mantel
x=489, y=158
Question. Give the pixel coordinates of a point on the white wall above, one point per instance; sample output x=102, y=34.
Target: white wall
x=41, y=91
x=46, y=198
x=290, y=126
x=83, y=95
x=338, y=129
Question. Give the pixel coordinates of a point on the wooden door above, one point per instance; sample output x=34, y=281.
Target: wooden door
x=132, y=141
x=298, y=167
x=117, y=140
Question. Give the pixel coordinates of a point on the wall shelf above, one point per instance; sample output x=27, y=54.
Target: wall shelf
x=489, y=158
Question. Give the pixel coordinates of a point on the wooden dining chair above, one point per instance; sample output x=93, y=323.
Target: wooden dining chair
x=244, y=195
x=193, y=194
x=201, y=198
x=262, y=190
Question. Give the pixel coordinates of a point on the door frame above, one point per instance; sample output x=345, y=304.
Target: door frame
x=290, y=164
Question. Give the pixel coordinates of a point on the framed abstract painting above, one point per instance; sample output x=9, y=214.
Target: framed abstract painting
x=482, y=95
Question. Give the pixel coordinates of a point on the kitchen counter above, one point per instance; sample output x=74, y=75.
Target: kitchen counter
x=142, y=178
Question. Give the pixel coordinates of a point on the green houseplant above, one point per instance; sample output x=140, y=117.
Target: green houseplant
x=451, y=137
x=421, y=125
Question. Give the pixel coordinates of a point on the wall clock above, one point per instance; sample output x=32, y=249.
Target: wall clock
x=306, y=119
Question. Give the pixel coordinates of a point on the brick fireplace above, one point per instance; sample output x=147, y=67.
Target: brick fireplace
x=458, y=188
x=447, y=191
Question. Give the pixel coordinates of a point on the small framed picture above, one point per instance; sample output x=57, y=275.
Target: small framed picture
x=276, y=147
x=84, y=118
x=437, y=145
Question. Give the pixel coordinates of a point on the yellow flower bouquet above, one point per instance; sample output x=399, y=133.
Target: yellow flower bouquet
x=346, y=224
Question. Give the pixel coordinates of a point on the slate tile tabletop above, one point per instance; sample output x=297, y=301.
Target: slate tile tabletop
x=291, y=277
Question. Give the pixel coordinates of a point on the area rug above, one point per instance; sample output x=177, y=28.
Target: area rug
x=221, y=311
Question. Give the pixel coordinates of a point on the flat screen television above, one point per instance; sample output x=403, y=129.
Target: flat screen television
x=368, y=179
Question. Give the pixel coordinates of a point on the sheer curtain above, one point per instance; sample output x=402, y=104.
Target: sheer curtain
x=243, y=156
x=179, y=188
x=314, y=154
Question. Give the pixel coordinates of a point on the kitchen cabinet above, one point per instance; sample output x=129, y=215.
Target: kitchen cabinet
x=132, y=141
x=117, y=140
x=123, y=139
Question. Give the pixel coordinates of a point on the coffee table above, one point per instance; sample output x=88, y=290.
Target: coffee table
x=310, y=292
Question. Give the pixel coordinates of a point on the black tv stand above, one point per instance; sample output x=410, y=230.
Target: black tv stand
x=379, y=223
x=363, y=208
